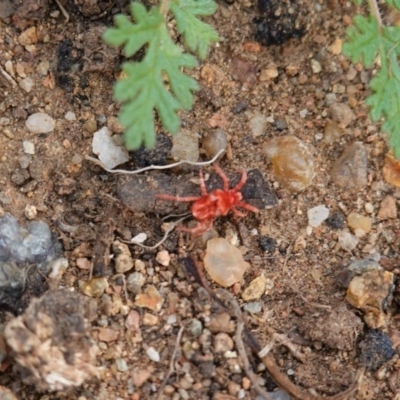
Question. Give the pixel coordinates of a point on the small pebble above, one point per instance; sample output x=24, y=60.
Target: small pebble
x=29, y=147
x=268, y=244
x=342, y=114
x=151, y=299
x=153, y=354
x=317, y=215
x=369, y=208
x=25, y=160
x=336, y=47
x=358, y=221
x=258, y=124
x=222, y=342
x=172, y=319
x=135, y=282
x=27, y=84
x=255, y=289
x=224, y=262
x=347, y=241
x=388, y=208
x=109, y=153
x=269, y=73
x=132, y=321
x=114, y=125
x=292, y=162
x=121, y=365
x=30, y=211
x=95, y=287
x=163, y=258
x=195, y=327
x=350, y=170
x=315, y=66
x=253, y=307
x=43, y=67
x=215, y=141
x=40, y=123
x=108, y=335
x=332, y=132
x=376, y=349
x=150, y=319
x=185, y=146
x=336, y=220
x=28, y=36
x=70, y=116
x=371, y=293
x=90, y=125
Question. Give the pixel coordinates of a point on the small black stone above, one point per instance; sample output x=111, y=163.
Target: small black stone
x=268, y=244
x=156, y=156
x=336, y=220
x=376, y=349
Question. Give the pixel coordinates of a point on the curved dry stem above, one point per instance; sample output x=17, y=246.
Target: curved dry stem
x=151, y=167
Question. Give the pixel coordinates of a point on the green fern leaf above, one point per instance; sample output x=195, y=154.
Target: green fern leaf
x=154, y=84
x=363, y=41
x=198, y=35
x=367, y=41
x=394, y=3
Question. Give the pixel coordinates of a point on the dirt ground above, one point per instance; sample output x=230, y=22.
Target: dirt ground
x=293, y=84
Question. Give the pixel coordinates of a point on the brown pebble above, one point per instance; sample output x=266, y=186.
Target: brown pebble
x=108, y=335
x=140, y=376
x=342, y=114
x=350, y=170
x=388, y=208
x=221, y=323
x=151, y=299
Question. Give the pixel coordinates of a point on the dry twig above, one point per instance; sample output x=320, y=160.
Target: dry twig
x=247, y=368
x=269, y=361
x=63, y=11
x=151, y=167
x=174, y=356
x=165, y=237
x=8, y=78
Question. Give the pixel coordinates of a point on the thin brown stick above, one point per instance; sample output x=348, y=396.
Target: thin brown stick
x=281, y=379
x=7, y=77
x=172, y=362
x=63, y=11
x=247, y=368
x=285, y=341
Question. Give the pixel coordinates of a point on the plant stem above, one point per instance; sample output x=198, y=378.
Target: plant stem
x=373, y=6
x=164, y=5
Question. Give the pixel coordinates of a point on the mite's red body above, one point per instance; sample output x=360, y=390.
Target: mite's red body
x=219, y=202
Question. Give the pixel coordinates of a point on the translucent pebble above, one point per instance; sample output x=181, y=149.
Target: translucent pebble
x=292, y=162
x=224, y=262
x=358, y=221
x=214, y=142
x=317, y=215
x=40, y=123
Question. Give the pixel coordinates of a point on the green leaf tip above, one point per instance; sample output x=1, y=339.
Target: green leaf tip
x=369, y=42
x=157, y=84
